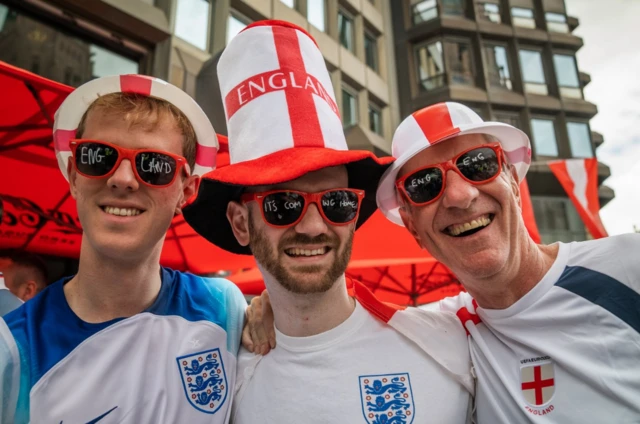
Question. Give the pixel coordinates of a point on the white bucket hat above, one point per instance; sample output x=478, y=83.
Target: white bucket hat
x=435, y=124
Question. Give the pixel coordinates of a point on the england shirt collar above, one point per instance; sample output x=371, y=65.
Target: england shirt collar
x=326, y=339
x=543, y=286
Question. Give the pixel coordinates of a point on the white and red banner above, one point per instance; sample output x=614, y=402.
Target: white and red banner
x=579, y=178
x=527, y=212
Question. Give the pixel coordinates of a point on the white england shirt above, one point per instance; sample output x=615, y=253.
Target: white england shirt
x=174, y=363
x=569, y=350
x=362, y=371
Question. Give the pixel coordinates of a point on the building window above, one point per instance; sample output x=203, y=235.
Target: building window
x=510, y=118
x=316, y=13
x=567, y=74
x=489, y=12
x=345, y=31
x=557, y=219
x=375, y=119
x=192, y=22
x=533, y=72
x=236, y=23
x=453, y=7
x=459, y=60
x=497, y=64
x=371, y=50
x=430, y=62
x=556, y=22
x=580, y=140
x=523, y=17
x=544, y=137
x=349, y=106
x=54, y=54
x=290, y=3
x=423, y=10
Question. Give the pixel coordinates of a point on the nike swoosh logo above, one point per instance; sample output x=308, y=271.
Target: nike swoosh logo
x=95, y=420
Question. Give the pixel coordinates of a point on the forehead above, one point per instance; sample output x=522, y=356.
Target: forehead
x=442, y=152
x=311, y=182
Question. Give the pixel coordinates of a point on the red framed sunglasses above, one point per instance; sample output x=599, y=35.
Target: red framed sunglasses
x=477, y=165
x=285, y=208
x=153, y=168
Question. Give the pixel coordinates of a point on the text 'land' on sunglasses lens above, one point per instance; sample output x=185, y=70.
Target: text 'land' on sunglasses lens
x=478, y=166
x=100, y=159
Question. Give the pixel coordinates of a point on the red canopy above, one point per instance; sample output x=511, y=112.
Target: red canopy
x=39, y=214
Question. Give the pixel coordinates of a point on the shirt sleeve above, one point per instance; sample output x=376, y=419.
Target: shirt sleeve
x=236, y=307
x=13, y=404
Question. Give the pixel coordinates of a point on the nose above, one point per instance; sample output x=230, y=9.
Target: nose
x=123, y=178
x=312, y=223
x=458, y=193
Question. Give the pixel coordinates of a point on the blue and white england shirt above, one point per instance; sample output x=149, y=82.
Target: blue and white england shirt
x=173, y=363
x=569, y=350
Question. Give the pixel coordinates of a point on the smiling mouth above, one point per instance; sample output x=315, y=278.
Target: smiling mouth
x=112, y=210
x=297, y=252
x=469, y=228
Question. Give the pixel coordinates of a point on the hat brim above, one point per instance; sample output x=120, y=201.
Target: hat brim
x=207, y=213
x=514, y=142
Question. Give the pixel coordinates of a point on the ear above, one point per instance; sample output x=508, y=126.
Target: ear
x=238, y=216
x=30, y=290
x=73, y=176
x=407, y=220
x=514, y=181
x=189, y=189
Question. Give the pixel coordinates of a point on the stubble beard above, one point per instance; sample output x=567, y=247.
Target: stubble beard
x=268, y=258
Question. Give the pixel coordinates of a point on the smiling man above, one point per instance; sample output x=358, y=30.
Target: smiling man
x=554, y=330
x=293, y=197
x=125, y=340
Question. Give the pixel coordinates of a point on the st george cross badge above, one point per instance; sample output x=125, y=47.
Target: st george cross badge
x=204, y=379
x=538, y=383
x=387, y=399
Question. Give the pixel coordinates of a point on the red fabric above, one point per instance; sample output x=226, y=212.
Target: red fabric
x=381, y=310
x=527, y=212
x=135, y=84
x=435, y=122
x=39, y=213
x=589, y=213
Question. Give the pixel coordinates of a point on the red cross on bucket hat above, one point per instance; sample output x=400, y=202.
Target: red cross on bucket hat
x=435, y=124
x=70, y=113
x=283, y=123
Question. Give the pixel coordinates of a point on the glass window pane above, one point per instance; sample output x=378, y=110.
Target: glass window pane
x=349, y=109
x=489, y=12
x=459, y=58
x=430, y=66
x=531, y=62
x=371, y=51
x=566, y=70
x=556, y=22
x=512, y=119
x=345, y=31
x=453, y=7
x=580, y=140
x=234, y=26
x=192, y=22
x=375, y=120
x=497, y=65
x=290, y=3
x=105, y=63
x=4, y=12
x=544, y=137
x=424, y=10
x=523, y=17
x=316, y=13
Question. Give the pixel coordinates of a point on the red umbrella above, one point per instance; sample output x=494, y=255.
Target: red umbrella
x=39, y=214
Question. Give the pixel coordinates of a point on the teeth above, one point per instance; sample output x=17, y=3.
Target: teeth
x=122, y=211
x=306, y=252
x=458, y=229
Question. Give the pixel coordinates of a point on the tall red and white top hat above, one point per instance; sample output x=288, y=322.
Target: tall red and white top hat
x=435, y=124
x=283, y=122
x=70, y=113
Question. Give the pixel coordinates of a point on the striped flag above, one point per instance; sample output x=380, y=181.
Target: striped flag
x=579, y=178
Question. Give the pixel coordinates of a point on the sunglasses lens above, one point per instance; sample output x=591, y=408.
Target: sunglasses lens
x=424, y=185
x=95, y=159
x=155, y=168
x=282, y=208
x=479, y=164
x=340, y=206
